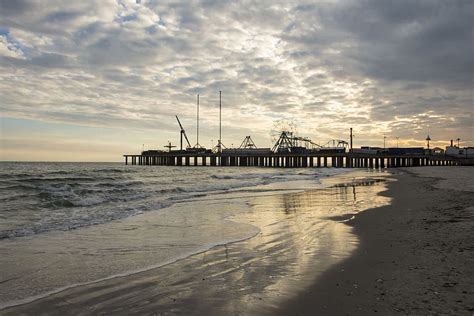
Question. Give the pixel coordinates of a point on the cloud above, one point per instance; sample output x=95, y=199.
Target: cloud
x=376, y=66
x=9, y=49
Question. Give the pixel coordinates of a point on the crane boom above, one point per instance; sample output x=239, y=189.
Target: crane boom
x=179, y=122
x=183, y=132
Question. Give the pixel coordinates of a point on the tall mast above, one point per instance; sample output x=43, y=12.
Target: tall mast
x=220, y=120
x=197, y=125
x=219, y=146
x=197, y=132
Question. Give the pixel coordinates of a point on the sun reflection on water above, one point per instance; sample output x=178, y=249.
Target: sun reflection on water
x=302, y=235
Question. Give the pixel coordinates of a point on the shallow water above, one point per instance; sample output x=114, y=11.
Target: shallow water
x=41, y=197
x=290, y=226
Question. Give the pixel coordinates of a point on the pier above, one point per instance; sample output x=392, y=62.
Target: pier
x=293, y=151
x=290, y=160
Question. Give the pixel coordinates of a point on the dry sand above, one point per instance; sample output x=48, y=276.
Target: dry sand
x=458, y=178
x=416, y=255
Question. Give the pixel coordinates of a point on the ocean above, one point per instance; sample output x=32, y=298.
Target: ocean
x=41, y=197
x=67, y=225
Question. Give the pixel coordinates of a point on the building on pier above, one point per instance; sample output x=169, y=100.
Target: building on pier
x=456, y=151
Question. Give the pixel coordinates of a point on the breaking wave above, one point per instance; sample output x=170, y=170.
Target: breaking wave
x=41, y=197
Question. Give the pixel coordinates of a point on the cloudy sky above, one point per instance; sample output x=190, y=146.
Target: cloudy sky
x=91, y=80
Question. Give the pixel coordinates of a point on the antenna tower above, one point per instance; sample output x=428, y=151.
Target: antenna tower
x=197, y=125
x=219, y=145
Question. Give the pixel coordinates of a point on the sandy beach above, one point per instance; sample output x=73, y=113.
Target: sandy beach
x=371, y=243
x=290, y=237
x=244, y=158
x=416, y=256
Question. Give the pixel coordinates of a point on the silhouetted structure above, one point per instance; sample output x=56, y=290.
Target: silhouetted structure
x=267, y=158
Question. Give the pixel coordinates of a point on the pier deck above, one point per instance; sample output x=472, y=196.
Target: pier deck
x=291, y=160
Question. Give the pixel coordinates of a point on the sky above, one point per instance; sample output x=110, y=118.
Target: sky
x=93, y=80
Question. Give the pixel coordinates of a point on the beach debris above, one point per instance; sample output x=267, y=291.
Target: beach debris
x=380, y=280
x=449, y=284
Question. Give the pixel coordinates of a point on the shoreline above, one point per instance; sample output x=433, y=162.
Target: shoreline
x=92, y=238
x=267, y=254
x=415, y=255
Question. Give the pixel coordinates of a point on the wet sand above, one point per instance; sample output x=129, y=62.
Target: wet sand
x=319, y=252
x=301, y=235
x=416, y=256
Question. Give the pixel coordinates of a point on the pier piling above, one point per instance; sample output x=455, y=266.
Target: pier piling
x=288, y=160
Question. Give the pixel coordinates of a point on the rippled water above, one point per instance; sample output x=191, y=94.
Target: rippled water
x=65, y=226
x=40, y=197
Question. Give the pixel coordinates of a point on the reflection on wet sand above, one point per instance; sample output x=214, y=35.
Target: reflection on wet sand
x=297, y=242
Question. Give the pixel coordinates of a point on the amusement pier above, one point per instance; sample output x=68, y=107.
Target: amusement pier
x=292, y=151
x=290, y=160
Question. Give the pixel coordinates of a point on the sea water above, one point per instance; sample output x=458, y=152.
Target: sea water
x=40, y=197
x=67, y=224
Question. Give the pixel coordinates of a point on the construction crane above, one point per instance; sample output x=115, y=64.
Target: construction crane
x=183, y=133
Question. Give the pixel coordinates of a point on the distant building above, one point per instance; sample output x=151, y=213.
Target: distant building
x=456, y=151
x=438, y=151
x=406, y=151
x=368, y=150
x=396, y=151
x=247, y=151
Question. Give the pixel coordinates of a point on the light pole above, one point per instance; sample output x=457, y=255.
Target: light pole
x=351, y=136
x=458, y=139
x=397, y=141
x=384, y=138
